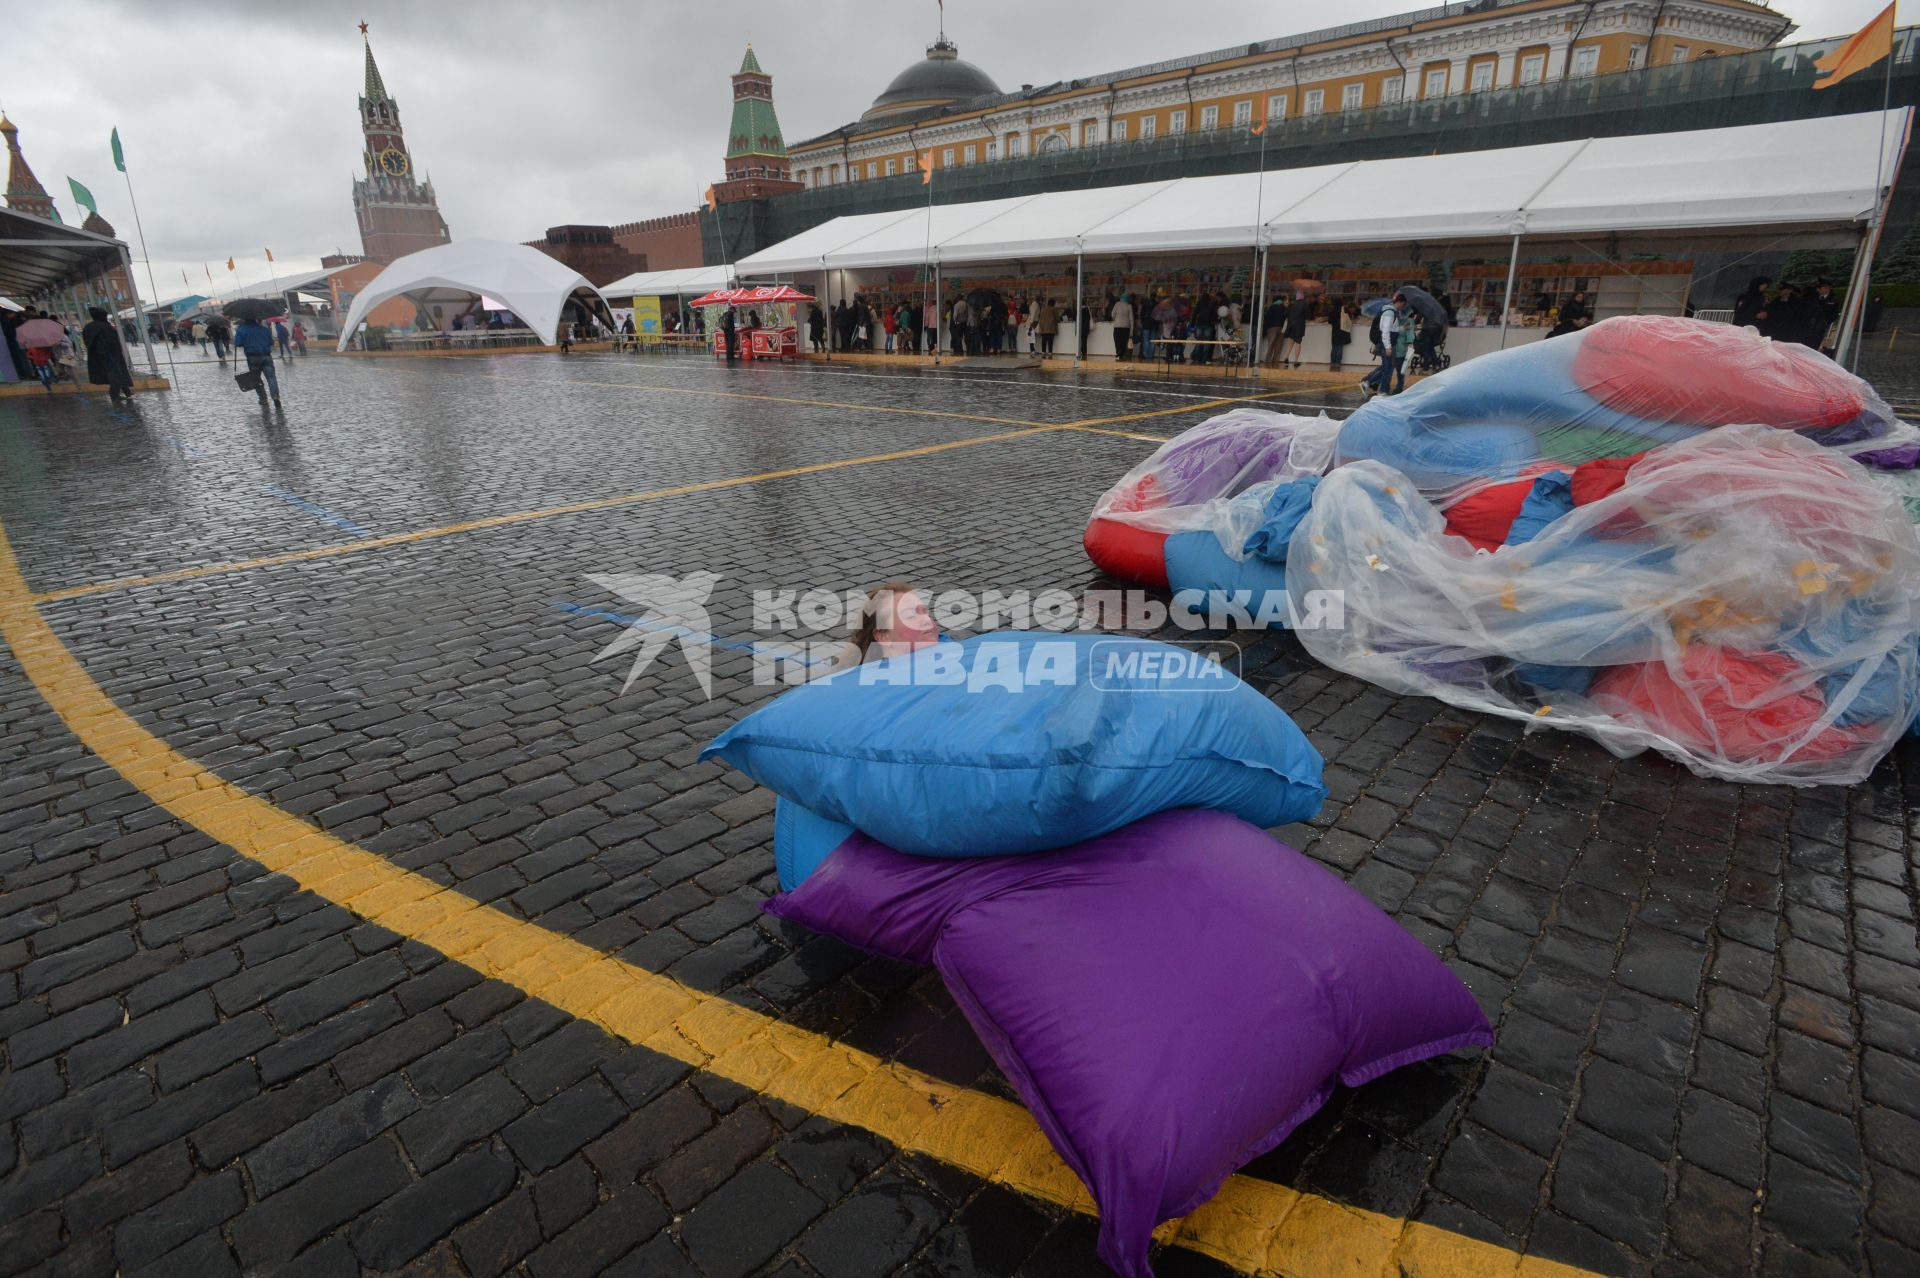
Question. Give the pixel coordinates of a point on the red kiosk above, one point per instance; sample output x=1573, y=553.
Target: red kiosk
x=777, y=336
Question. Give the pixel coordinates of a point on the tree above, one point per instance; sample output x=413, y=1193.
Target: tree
x=1901, y=265
x=1804, y=266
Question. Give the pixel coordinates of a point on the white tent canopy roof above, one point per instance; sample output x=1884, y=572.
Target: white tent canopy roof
x=1827, y=172
x=532, y=285
x=691, y=280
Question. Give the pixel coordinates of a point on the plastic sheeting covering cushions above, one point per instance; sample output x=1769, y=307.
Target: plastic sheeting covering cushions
x=1098, y=731
x=1618, y=388
x=1170, y=999
x=1732, y=576
x=1189, y=482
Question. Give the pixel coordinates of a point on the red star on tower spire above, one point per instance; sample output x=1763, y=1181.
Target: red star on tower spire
x=363, y=28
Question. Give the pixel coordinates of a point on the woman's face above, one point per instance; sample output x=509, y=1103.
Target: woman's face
x=903, y=623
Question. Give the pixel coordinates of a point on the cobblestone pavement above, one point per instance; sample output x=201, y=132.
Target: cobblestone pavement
x=1707, y=1009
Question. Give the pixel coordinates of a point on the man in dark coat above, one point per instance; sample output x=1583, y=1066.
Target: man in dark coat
x=106, y=357
x=1822, y=313
x=728, y=325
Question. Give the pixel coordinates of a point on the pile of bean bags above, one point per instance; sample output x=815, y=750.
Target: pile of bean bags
x=1073, y=836
x=1614, y=390
x=1743, y=602
x=1662, y=533
x=1202, y=490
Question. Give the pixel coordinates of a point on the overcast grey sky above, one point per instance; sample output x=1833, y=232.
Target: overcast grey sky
x=241, y=130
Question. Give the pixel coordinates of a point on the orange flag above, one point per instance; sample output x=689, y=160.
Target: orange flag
x=1870, y=44
x=926, y=168
x=1259, y=127
x=713, y=205
x=269, y=255
x=229, y=264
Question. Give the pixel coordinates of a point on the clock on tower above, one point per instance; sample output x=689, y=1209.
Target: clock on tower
x=393, y=162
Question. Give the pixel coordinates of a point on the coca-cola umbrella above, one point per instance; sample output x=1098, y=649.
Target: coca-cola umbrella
x=40, y=333
x=752, y=296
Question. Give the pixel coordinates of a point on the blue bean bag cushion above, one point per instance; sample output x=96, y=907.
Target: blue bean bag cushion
x=1015, y=742
x=802, y=839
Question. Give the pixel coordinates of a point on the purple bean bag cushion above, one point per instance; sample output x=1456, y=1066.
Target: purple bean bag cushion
x=1171, y=999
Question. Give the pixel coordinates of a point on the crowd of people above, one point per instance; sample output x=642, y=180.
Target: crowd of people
x=1204, y=326
x=53, y=362
x=1791, y=313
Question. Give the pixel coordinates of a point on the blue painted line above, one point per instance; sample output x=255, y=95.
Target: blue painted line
x=701, y=636
x=338, y=521
x=185, y=450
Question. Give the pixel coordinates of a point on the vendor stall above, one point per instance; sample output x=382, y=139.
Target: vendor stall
x=766, y=324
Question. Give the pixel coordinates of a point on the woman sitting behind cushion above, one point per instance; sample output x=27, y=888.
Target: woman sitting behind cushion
x=894, y=620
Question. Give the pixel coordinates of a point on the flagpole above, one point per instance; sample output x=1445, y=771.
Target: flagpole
x=275, y=277
x=1260, y=258
x=1852, y=334
x=139, y=310
x=926, y=261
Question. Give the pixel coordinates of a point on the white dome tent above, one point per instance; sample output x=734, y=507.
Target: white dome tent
x=526, y=281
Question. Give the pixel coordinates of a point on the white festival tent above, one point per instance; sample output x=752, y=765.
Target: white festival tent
x=1824, y=177
x=528, y=282
x=691, y=281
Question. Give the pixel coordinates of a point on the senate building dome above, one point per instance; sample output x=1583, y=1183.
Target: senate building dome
x=940, y=79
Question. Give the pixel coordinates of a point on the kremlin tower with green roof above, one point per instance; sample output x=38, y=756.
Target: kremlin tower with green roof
x=757, y=164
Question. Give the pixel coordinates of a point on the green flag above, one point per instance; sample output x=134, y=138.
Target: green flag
x=119, y=156
x=83, y=197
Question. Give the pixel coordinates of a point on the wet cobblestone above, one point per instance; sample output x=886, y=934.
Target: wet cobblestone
x=1705, y=994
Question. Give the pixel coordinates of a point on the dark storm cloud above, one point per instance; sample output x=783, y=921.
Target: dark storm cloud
x=240, y=124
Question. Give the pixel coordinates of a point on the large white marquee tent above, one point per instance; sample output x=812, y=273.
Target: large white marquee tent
x=688, y=281
x=526, y=281
x=1821, y=180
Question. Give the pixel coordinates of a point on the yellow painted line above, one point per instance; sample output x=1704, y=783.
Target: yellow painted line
x=1122, y=434
x=517, y=517
x=1254, y=1225
x=625, y=499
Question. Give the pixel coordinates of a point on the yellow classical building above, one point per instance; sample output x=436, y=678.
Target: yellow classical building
x=954, y=110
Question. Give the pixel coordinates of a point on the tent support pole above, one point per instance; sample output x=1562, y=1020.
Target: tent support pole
x=140, y=316
x=1079, y=300
x=833, y=329
x=938, y=310
x=1506, y=306
x=1854, y=311
x=1259, y=314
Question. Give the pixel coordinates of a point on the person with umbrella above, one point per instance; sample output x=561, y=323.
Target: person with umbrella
x=106, y=357
x=38, y=336
x=255, y=340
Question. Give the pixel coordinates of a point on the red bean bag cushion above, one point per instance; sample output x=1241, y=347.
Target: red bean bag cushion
x=1485, y=515
x=1740, y=705
x=1601, y=477
x=1670, y=369
x=1128, y=553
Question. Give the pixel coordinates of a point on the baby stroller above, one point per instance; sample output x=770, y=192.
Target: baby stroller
x=1429, y=350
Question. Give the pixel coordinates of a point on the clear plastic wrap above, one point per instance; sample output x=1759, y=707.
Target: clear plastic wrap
x=1616, y=389
x=1744, y=602
x=1188, y=482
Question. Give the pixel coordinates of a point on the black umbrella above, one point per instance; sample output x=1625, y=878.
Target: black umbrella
x=1424, y=302
x=259, y=308
x=979, y=299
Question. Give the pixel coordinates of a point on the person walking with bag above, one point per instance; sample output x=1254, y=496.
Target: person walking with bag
x=255, y=341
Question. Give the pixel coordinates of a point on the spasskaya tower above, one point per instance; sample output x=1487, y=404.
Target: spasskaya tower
x=397, y=212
